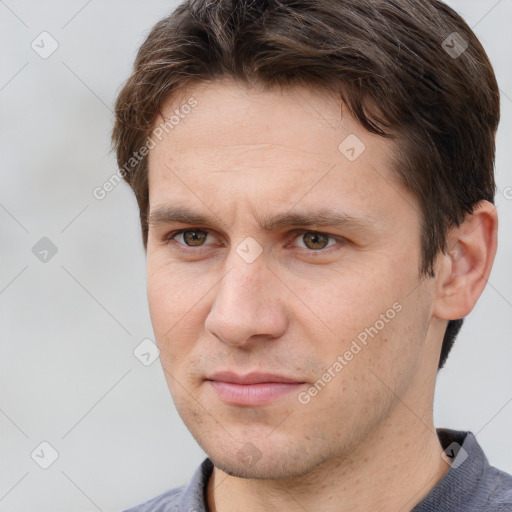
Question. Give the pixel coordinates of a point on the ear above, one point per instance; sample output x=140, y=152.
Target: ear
x=466, y=266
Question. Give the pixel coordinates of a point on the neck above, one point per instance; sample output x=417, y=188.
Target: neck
x=394, y=468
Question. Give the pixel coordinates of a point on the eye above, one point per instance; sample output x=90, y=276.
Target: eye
x=310, y=241
x=188, y=237
x=315, y=241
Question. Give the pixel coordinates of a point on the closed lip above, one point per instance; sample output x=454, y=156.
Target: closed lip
x=251, y=378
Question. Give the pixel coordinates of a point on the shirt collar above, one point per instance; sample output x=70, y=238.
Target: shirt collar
x=460, y=480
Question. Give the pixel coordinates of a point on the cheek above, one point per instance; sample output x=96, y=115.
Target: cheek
x=176, y=300
x=368, y=315
x=346, y=302
x=172, y=291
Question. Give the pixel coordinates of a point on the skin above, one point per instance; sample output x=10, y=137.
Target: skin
x=367, y=440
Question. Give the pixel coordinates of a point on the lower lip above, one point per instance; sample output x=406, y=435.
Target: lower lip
x=252, y=394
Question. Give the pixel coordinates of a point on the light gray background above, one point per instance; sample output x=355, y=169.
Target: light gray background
x=69, y=326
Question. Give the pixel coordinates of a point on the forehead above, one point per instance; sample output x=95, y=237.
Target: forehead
x=295, y=118
x=276, y=147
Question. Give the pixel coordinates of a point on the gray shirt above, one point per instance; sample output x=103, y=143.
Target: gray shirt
x=470, y=485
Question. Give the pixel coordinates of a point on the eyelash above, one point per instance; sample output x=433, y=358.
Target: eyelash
x=169, y=238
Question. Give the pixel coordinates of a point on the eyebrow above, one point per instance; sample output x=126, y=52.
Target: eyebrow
x=321, y=218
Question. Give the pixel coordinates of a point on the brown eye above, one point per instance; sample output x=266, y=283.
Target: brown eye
x=315, y=241
x=191, y=237
x=194, y=238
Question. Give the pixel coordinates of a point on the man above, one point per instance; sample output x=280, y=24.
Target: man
x=315, y=183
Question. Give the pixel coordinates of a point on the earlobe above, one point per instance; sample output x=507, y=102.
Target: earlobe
x=465, y=268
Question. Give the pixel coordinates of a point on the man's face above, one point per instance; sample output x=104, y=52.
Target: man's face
x=338, y=308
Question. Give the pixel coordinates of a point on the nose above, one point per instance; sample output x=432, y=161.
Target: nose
x=248, y=305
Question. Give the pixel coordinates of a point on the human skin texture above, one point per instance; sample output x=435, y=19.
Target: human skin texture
x=365, y=440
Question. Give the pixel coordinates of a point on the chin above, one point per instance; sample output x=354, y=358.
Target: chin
x=274, y=465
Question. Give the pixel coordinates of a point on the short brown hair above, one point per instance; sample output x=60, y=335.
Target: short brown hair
x=410, y=70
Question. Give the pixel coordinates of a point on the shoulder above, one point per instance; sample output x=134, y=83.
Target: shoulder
x=499, y=484
x=489, y=486
x=188, y=497
x=165, y=502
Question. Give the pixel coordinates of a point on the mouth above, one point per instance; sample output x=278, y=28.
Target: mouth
x=252, y=389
